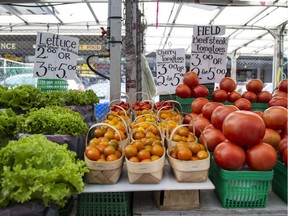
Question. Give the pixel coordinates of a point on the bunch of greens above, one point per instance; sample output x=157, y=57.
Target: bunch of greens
x=50, y=121
x=3, y=89
x=74, y=97
x=24, y=97
x=7, y=125
x=36, y=168
x=54, y=98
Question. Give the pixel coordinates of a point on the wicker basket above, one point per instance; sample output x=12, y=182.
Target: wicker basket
x=189, y=171
x=103, y=172
x=146, y=172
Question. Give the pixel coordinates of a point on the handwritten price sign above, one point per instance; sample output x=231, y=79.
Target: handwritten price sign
x=170, y=69
x=209, y=54
x=55, y=56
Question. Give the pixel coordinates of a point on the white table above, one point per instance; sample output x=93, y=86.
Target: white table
x=168, y=182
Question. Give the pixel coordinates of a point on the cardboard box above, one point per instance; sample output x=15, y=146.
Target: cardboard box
x=177, y=200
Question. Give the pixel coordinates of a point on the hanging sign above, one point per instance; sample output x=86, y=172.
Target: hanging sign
x=55, y=56
x=209, y=54
x=170, y=69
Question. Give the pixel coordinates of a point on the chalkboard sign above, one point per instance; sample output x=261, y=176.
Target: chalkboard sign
x=209, y=54
x=170, y=69
x=55, y=56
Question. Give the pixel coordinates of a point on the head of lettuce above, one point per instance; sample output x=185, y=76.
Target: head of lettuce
x=36, y=168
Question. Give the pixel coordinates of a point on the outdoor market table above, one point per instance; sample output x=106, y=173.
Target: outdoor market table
x=168, y=182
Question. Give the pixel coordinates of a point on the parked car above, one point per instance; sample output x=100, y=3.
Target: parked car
x=28, y=79
x=102, y=90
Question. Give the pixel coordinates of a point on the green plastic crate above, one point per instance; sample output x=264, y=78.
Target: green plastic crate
x=109, y=203
x=259, y=106
x=279, y=182
x=48, y=85
x=241, y=189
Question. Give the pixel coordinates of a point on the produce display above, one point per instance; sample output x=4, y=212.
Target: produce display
x=51, y=120
x=25, y=97
x=35, y=168
x=236, y=126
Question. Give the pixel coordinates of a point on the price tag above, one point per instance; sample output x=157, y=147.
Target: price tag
x=170, y=69
x=209, y=57
x=55, y=56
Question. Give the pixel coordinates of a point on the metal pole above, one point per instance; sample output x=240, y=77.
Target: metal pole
x=115, y=42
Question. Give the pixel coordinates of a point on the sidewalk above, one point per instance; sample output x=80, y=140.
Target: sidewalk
x=144, y=204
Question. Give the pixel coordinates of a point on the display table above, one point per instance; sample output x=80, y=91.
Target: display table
x=168, y=182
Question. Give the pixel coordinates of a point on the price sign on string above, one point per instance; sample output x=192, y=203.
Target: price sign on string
x=55, y=56
x=209, y=54
x=170, y=69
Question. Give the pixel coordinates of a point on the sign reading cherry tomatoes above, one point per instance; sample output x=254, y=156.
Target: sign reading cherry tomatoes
x=55, y=56
x=209, y=54
x=170, y=69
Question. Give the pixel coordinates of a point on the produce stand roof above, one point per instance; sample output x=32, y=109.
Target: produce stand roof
x=250, y=25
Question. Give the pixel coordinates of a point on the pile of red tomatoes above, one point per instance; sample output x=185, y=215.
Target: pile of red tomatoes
x=239, y=137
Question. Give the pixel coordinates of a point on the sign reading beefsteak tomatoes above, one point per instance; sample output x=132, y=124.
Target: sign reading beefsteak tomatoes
x=170, y=69
x=209, y=53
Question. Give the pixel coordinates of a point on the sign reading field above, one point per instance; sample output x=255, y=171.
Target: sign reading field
x=170, y=69
x=209, y=53
x=55, y=56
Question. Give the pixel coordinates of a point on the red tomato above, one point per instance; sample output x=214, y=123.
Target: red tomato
x=271, y=137
x=210, y=126
x=254, y=85
x=261, y=157
x=243, y=104
x=213, y=137
x=228, y=84
x=278, y=93
x=208, y=108
x=200, y=91
x=233, y=96
x=278, y=101
x=220, y=113
x=189, y=117
x=191, y=79
x=229, y=156
x=282, y=145
x=283, y=85
x=199, y=123
x=219, y=95
x=183, y=91
x=251, y=96
x=285, y=157
x=264, y=97
x=244, y=128
x=260, y=113
x=198, y=103
x=275, y=117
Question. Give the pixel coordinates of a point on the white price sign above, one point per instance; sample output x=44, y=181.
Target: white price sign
x=55, y=56
x=170, y=69
x=209, y=57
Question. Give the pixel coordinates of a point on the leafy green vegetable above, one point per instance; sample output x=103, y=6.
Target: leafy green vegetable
x=74, y=97
x=34, y=167
x=24, y=97
x=51, y=120
x=7, y=125
x=54, y=98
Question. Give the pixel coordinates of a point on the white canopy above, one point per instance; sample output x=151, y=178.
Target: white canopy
x=250, y=25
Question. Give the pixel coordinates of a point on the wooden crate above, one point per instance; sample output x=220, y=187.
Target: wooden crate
x=177, y=199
